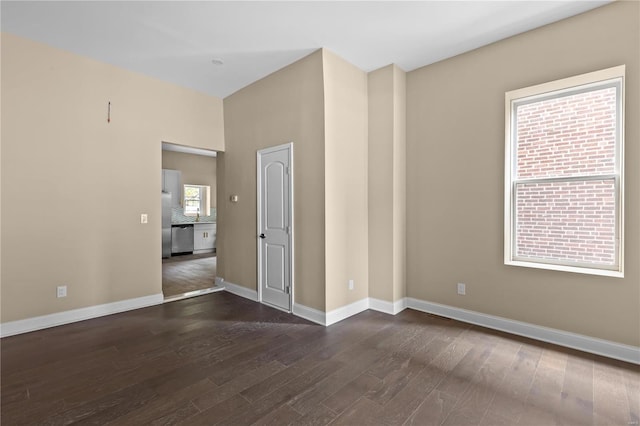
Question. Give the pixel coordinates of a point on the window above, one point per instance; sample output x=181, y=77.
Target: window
x=563, y=174
x=196, y=200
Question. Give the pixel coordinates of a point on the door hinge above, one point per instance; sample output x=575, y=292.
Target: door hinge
x=286, y=289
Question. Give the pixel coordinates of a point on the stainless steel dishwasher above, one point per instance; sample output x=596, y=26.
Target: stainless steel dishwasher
x=182, y=239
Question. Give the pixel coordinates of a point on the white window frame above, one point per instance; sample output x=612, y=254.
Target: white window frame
x=590, y=81
x=204, y=190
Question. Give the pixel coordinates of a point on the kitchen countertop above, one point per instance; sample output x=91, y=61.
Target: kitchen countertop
x=193, y=223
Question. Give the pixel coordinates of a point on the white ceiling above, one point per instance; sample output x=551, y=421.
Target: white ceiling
x=177, y=40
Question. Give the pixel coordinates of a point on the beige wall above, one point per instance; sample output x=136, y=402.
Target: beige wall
x=74, y=186
x=399, y=183
x=381, y=132
x=455, y=172
x=0, y=180
x=196, y=169
x=286, y=106
x=387, y=183
x=345, y=177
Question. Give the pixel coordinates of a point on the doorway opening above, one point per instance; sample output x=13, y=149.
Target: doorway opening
x=189, y=222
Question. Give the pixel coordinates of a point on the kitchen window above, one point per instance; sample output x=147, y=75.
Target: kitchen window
x=196, y=200
x=564, y=174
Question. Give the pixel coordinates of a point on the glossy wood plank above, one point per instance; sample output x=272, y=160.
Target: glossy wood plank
x=411, y=396
x=363, y=412
x=168, y=408
x=473, y=403
x=352, y=392
x=242, y=381
x=516, y=384
x=318, y=416
x=576, y=401
x=219, y=413
x=610, y=402
x=434, y=410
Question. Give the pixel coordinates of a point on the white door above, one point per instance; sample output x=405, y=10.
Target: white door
x=275, y=218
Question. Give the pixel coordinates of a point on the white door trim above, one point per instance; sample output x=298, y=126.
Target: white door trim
x=259, y=153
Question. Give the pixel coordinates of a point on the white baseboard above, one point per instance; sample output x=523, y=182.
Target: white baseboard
x=241, y=291
x=381, y=306
x=347, y=311
x=331, y=317
x=400, y=305
x=52, y=320
x=193, y=293
x=309, y=314
x=559, y=337
x=391, y=308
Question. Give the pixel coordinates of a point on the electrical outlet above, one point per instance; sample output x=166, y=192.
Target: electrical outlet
x=350, y=284
x=144, y=218
x=462, y=289
x=62, y=291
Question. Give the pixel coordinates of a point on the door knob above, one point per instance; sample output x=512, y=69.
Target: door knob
x=262, y=236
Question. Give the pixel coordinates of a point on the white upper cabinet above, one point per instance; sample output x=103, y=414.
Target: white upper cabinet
x=171, y=183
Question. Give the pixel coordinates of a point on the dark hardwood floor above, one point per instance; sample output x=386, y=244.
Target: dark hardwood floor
x=182, y=274
x=221, y=359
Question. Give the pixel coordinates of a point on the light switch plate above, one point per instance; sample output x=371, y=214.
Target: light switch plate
x=462, y=289
x=144, y=218
x=61, y=291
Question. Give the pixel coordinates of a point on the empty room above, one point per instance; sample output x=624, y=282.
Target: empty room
x=320, y=213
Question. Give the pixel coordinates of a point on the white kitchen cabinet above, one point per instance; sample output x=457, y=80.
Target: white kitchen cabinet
x=171, y=182
x=204, y=237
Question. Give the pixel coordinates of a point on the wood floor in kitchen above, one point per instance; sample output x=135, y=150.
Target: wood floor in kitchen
x=222, y=359
x=182, y=274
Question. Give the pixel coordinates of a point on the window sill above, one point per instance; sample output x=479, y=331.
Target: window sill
x=565, y=268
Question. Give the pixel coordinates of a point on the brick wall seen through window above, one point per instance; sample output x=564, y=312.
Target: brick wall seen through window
x=563, y=174
x=568, y=136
